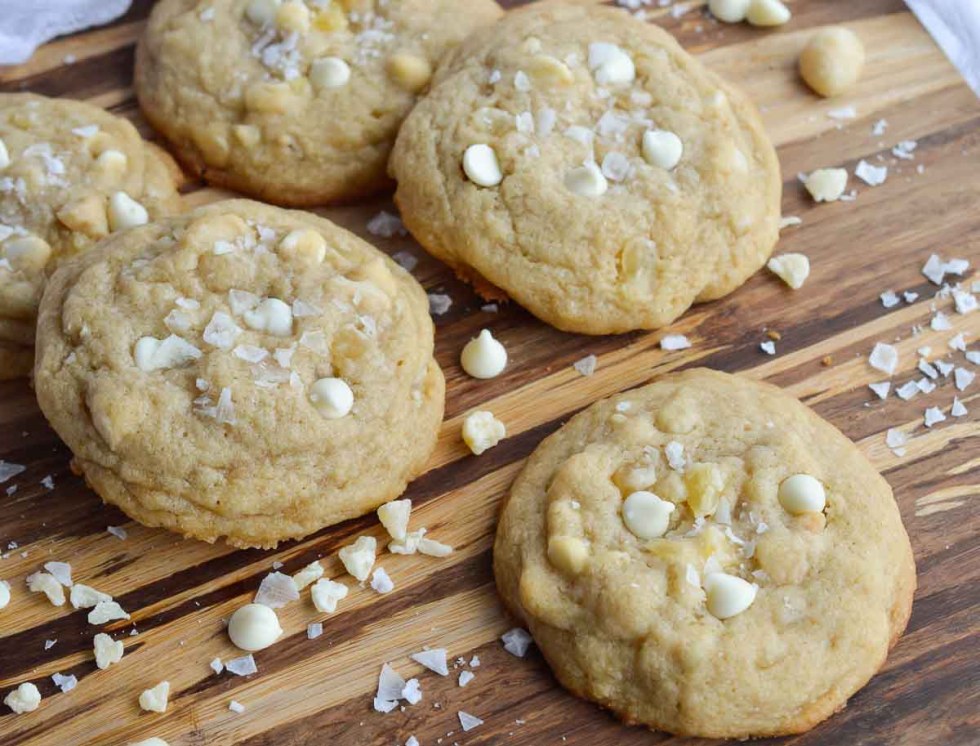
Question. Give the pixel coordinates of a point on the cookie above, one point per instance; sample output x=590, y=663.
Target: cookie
x=294, y=102
x=70, y=173
x=240, y=371
x=581, y=161
x=707, y=556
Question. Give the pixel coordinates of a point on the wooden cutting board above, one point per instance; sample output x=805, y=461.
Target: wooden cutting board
x=320, y=691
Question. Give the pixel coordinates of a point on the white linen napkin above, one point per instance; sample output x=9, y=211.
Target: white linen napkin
x=26, y=24
x=955, y=25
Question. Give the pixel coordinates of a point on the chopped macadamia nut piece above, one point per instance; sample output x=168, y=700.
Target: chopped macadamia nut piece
x=254, y=627
x=827, y=184
x=729, y=11
x=308, y=575
x=832, y=61
x=802, y=493
x=381, y=581
x=728, y=595
x=43, y=582
x=358, y=558
x=481, y=166
x=793, y=269
x=326, y=593
x=483, y=356
x=394, y=517
x=107, y=651
x=106, y=611
x=433, y=548
x=646, y=515
x=155, y=699
x=482, y=431
x=25, y=698
x=767, y=13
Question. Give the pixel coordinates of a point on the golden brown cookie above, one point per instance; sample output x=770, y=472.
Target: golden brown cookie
x=240, y=371
x=296, y=102
x=706, y=556
x=70, y=174
x=583, y=162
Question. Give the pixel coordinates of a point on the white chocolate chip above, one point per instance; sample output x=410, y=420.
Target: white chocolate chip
x=662, y=148
x=112, y=163
x=482, y=431
x=728, y=595
x=610, y=64
x=767, y=13
x=586, y=180
x=254, y=627
x=271, y=315
x=262, y=12
x=326, y=593
x=793, y=269
x=831, y=62
x=4, y=155
x=156, y=354
x=358, y=558
x=394, y=517
x=802, y=493
x=329, y=72
x=155, y=699
x=729, y=11
x=332, y=397
x=126, y=212
x=481, y=166
x=827, y=184
x=646, y=515
x=483, y=356
x=29, y=253
x=25, y=698
x=107, y=651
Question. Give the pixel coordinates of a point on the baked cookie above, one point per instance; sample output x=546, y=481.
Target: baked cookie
x=70, y=173
x=706, y=556
x=296, y=102
x=583, y=162
x=240, y=371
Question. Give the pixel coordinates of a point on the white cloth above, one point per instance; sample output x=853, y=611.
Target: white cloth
x=26, y=24
x=955, y=25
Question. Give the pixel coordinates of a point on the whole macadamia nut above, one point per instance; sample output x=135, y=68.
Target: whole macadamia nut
x=832, y=60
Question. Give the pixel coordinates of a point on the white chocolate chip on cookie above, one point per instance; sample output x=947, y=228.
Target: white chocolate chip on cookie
x=728, y=595
x=481, y=166
x=802, y=493
x=332, y=397
x=483, y=356
x=27, y=252
x=271, y=315
x=610, y=64
x=111, y=164
x=586, y=180
x=329, y=72
x=125, y=212
x=662, y=148
x=646, y=515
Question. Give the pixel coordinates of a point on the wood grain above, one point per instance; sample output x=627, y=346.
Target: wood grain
x=319, y=691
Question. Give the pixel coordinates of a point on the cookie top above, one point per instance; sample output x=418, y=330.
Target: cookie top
x=295, y=102
x=240, y=371
x=707, y=556
x=583, y=162
x=70, y=173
